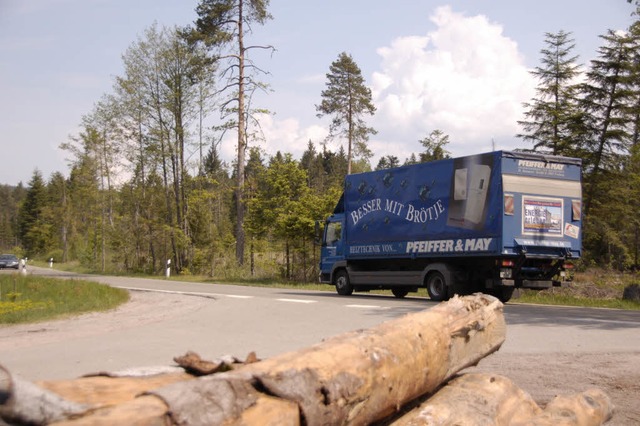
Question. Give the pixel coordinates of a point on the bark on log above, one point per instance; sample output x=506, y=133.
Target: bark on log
x=145, y=410
x=26, y=403
x=101, y=390
x=360, y=377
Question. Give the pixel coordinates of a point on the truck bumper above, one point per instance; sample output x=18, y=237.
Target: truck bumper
x=499, y=283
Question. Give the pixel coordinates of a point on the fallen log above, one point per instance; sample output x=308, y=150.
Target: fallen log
x=23, y=402
x=229, y=403
x=103, y=390
x=474, y=398
x=357, y=378
x=590, y=408
x=488, y=399
x=354, y=378
x=363, y=376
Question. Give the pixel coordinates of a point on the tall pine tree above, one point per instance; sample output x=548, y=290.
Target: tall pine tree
x=32, y=228
x=607, y=99
x=348, y=99
x=551, y=115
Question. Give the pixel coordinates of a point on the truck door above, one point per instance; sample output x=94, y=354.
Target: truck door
x=332, y=247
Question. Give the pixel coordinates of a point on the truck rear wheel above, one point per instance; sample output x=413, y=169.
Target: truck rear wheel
x=436, y=286
x=503, y=294
x=343, y=286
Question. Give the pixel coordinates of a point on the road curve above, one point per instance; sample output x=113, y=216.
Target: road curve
x=166, y=318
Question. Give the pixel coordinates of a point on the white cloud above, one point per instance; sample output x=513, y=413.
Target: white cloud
x=312, y=79
x=465, y=78
x=286, y=136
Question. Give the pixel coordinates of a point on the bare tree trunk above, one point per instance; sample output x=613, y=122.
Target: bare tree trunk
x=240, y=235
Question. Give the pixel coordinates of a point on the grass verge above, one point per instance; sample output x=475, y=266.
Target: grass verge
x=26, y=299
x=595, y=287
x=548, y=298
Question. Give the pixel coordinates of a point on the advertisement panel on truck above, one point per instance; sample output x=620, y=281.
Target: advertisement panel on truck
x=435, y=208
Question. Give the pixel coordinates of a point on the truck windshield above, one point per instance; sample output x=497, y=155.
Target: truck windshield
x=333, y=234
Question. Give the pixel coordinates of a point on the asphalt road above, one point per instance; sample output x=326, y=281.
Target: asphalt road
x=223, y=319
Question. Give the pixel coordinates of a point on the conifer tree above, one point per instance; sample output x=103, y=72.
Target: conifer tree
x=388, y=162
x=434, y=146
x=551, y=115
x=347, y=99
x=32, y=228
x=607, y=99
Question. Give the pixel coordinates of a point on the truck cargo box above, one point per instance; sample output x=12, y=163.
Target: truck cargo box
x=499, y=205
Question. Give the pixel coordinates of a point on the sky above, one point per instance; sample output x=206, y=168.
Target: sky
x=460, y=66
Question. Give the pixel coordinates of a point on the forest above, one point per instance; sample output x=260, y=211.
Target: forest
x=137, y=196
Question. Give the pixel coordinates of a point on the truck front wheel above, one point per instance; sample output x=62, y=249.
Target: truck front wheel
x=399, y=292
x=343, y=286
x=436, y=286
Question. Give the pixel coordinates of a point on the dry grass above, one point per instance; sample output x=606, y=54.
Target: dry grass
x=594, y=287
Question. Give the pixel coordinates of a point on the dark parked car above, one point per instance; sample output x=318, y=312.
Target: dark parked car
x=9, y=261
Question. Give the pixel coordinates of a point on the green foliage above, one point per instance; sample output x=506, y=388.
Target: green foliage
x=434, y=146
x=346, y=99
x=10, y=199
x=222, y=26
x=387, y=162
x=136, y=195
x=607, y=97
x=542, y=298
x=597, y=121
x=218, y=19
x=551, y=117
x=34, y=231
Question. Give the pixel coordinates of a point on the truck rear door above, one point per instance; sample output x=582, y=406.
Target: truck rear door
x=542, y=205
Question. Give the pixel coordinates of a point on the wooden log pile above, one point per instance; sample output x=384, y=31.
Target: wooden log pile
x=402, y=372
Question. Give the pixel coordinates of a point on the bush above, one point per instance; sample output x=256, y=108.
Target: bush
x=56, y=255
x=632, y=292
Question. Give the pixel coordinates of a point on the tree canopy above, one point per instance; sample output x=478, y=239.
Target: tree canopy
x=147, y=181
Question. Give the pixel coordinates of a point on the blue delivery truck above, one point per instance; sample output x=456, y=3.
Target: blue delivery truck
x=490, y=222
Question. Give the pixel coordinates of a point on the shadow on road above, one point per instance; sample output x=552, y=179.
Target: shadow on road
x=585, y=318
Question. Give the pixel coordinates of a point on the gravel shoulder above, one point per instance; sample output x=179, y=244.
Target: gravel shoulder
x=543, y=376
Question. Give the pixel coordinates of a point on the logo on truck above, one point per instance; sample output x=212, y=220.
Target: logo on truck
x=408, y=212
x=449, y=246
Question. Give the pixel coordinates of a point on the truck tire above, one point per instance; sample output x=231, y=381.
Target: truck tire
x=437, y=286
x=399, y=292
x=343, y=286
x=503, y=294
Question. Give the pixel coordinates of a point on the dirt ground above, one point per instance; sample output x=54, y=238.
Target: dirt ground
x=543, y=376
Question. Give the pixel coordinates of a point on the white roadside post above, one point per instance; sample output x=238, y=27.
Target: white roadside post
x=51, y=262
x=168, y=272
x=23, y=264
